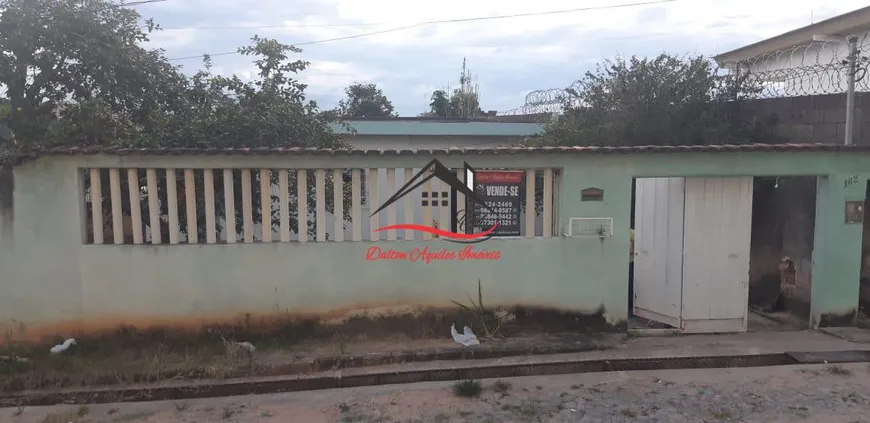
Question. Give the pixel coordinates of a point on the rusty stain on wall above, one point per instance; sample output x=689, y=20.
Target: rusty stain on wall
x=369, y=319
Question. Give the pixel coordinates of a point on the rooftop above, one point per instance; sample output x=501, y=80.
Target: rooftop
x=295, y=151
x=854, y=22
x=439, y=127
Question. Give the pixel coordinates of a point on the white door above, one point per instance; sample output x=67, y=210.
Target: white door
x=718, y=225
x=658, y=237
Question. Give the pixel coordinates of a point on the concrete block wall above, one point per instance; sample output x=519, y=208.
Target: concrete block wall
x=814, y=119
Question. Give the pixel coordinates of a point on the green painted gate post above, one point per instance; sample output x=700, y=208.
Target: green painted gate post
x=836, y=252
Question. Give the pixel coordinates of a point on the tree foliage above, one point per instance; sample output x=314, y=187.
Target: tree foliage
x=82, y=52
x=76, y=72
x=460, y=103
x=665, y=100
x=365, y=101
x=440, y=105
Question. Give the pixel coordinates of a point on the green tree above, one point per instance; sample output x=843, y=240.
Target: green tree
x=270, y=111
x=76, y=73
x=440, y=105
x=81, y=52
x=465, y=104
x=228, y=112
x=665, y=100
x=365, y=100
x=458, y=104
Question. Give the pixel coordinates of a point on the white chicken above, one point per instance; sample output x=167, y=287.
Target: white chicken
x=59, y=348
x=467, y=338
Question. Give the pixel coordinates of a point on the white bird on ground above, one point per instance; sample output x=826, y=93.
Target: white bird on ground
x=467, y=338
x=59, y=348
x=247, y=346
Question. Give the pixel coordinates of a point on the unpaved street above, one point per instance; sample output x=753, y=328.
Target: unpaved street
x=818, y=394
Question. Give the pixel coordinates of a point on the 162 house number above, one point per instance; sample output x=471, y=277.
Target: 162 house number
x=852, y=180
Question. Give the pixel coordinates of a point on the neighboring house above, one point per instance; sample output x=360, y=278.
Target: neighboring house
x=778, y=58
x=423, y=133
x=812, y=73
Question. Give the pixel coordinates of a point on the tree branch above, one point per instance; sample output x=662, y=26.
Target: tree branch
x=44, y=76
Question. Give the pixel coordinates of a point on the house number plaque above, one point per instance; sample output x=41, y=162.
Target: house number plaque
x=854, y=212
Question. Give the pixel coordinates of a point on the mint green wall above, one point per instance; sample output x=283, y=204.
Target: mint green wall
x=51, y=278
x=837, y=250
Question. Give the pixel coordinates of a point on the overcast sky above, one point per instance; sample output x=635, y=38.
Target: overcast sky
x=510, y=57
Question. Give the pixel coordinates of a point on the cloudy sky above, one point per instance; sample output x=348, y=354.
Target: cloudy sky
x=510, y=57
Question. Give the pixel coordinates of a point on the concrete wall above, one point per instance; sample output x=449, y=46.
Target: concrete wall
x=814, y=118
x=53, y=283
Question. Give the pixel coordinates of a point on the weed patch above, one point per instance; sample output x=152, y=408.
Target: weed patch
x=132, y=417
x=467, y=388
x=721, y=414
x=836, y=369
x=501, y=386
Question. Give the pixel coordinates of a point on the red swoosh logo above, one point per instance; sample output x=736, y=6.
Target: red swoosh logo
x=431, y=230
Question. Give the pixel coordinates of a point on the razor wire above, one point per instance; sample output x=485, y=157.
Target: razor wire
x=546, y=101
x=816, y=68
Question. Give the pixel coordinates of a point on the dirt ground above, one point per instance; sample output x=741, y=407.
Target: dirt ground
x=88, y=363
x=817, y=393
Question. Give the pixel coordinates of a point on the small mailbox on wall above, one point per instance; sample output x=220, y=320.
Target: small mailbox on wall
x=592, y=194
x=854, y=212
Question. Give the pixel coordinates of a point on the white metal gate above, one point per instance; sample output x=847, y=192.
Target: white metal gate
x=716, y=254
x=692, y=239
x=658, y=247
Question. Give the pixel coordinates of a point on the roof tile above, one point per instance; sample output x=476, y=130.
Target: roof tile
x=297, y=151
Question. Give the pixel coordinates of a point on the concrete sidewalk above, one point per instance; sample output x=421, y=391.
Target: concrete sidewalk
x=781, y=394
x=746, y=344
x=750, y=343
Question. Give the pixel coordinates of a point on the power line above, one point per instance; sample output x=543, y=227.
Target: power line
x=446, y=21
x=479, y=18
x=226, y=53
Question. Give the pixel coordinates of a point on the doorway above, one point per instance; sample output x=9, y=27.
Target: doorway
x=864, y=281
x=691, y=264
x=783, y=238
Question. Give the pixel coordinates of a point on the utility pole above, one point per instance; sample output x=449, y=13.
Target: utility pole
x=852, y=73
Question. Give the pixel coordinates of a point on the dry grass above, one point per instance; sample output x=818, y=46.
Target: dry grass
x=627, y=412
x=79, y=369
x=501, y=386
x=721, y=414
x=132, y=417
x=836, y=369
x=127, y=355
x=68, y=416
